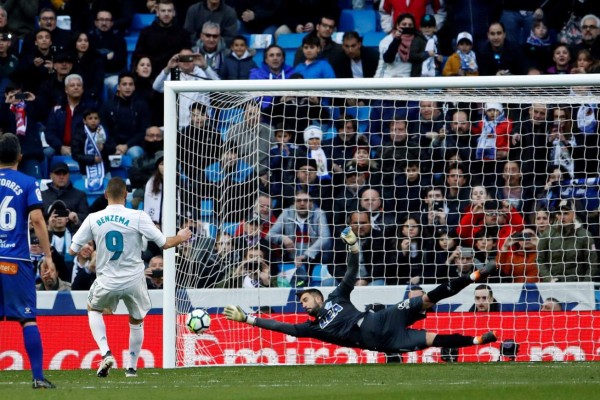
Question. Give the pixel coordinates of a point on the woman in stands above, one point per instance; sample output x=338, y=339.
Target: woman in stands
x=90, y=65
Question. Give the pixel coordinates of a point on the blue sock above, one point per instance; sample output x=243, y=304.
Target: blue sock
x=33, y=346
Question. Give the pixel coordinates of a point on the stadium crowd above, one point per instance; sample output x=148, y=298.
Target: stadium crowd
x=432, y=190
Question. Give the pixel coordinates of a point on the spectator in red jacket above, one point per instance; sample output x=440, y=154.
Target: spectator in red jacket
x=495, y=213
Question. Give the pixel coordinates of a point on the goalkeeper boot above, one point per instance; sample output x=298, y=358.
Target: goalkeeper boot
x=130, y=373
x=488, y=337
x=42, y=384
x=105, y=365
x=485, y=271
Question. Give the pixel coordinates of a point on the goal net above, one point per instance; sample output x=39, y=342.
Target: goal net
x=438, y=177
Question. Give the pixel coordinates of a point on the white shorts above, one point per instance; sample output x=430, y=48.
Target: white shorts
x=136, y=299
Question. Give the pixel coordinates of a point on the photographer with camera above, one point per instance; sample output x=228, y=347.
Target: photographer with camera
x=186, y=66
x=154, y=272
x=517, y=259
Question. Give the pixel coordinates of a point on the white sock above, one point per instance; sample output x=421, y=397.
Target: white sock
x=98, y=329
x=136, y=338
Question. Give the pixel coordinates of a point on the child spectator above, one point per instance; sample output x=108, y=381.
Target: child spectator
x=431, y=65
x=561, y=60
x=494, y=134
x=238, y=63
x=585, y=63
x=91, y=148
x=313, y=135
x=464, y=61
x=312, y=67
x=537, y=46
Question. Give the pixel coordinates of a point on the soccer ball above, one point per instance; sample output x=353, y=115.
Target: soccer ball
x=197, y=321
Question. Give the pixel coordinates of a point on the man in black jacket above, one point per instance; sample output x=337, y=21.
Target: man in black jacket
x=360, y=62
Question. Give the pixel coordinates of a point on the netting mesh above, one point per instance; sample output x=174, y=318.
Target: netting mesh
x=436, y=183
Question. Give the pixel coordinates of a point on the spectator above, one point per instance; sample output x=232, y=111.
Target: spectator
x=50, y=279
x=401, y=53
x=84, y=267
x=507, y=219
x=239, y=62
x=493, y=142
x=590, y=29
x=126, y=118
x=8, y=61
x=163, y=38
x=112, y=48
x=561, y=60
x=282, y=155
x=416, y=8
x=212, y=46
x=154, y=273
x=457, y=193
x=34, y=67
x=537, y=46
x=221, y=259
x=517, y=258
x=382, y=221
x=428, y=130
x=344, y=143
x=153, y=193
x=484, y=300
x=512, y=190
x=433, y=59
x=66, y=117
x=464, y=61
x=486, y=250
x=568, y=253
x=312, y=67
x=18, y=114
x=518, y=17
x=313, y=136
x=445, y=245
x=90, y=65
x=460, y=18
x=143, y=167
x=327, y=50
x=61, y=188
x=585, y=63
x=359, y=61
x=22, y=16
x=306, y=180
x=499, y=56
x=91, y=149
x=461, y=262
x=141, y=70
x=258, y=16
x=215, y=11
x=551, y=304
x=457, y=137
x=372, y=270
x=60, y=238
x=347, y=196
x=252, y=272
x=412, y=250
x=251, y=136
x=186, y=66
x=303, y=233
x=434, y=210
x=52, y=90
x=273, y=67
x=47, y=21
x=302, y=16
x=398, y=149
x=407, y=189
x=541, y=222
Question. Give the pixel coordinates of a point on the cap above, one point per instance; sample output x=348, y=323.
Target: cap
x=466, y=252
x=494, y=106
x=491, y=205
x=312, y=132
x=63, y=56
x=59, y=166
x=566, y=205
x=464, y=36
x=428, y=20
x=304, y=161
x=60, y=208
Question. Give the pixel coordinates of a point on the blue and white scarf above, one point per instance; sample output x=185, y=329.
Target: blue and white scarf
x=586, y=118
x=486, y=143
x=95, y=172
x=468, y=61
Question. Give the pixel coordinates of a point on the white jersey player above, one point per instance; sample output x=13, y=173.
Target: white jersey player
x=118, y=233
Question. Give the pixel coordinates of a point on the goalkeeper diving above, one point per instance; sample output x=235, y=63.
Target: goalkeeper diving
x=337, y=321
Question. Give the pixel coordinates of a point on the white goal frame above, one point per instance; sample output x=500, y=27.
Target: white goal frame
x=422, y=85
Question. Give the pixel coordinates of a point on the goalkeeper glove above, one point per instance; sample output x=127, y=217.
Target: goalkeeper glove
x=235, y=313
x=350, y=239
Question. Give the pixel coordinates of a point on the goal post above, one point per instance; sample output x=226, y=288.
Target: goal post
x=220, y=99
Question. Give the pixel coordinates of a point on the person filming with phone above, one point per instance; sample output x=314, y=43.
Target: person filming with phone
x=517, y=258
x=186, y=66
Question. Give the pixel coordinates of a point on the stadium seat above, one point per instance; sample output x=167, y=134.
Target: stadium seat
x=207, y=211
x=338, y=37
x=260, y=41
x=362, y=114
x=229, y=227
x=131, y=41
x=140, y=21
x=362, y=21
x=123, y=168
x=290, y=40
x=91, y=195
x=372, y=39
x=319, y=274
x=259, y=57
x=72, y=164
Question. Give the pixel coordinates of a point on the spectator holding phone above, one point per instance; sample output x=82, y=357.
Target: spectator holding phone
x=517, y=259
x=154, y=273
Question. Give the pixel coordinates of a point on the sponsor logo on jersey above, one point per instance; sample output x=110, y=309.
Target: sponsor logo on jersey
x=5, y=245
x=8, y=268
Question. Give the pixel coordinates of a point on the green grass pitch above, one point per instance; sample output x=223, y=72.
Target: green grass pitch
x=527, y=381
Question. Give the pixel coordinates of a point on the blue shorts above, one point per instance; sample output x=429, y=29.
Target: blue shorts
x=17, y=290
